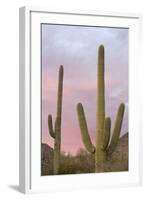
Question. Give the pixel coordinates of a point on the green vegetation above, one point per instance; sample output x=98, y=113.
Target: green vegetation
x=56, y=131
x=104, y=146
x=84, y=162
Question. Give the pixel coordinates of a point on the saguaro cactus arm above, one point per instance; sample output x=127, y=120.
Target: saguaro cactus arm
x=50, y=126
x=106, y=133
x=117, y=129
x=84, y=129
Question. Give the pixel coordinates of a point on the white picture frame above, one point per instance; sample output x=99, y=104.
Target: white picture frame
x=30, y=175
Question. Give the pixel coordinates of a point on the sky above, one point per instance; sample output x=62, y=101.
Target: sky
x=76, y=48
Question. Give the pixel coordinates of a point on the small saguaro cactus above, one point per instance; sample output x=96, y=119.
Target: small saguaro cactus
x=103, y=145
x=55, y=132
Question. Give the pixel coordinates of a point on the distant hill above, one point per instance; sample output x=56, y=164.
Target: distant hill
x=83, y=162
x=119, y=159
x=47, y=154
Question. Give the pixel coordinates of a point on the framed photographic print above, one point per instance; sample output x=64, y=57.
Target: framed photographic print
x=79, y=100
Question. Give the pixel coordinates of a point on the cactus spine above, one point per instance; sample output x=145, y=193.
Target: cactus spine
x=56, y=131
x=103, y=146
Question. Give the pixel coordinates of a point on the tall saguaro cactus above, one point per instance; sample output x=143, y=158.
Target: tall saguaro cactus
x=103, y=145
x=56, y=131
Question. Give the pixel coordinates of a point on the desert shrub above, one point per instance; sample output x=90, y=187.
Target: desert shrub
x=82, y=162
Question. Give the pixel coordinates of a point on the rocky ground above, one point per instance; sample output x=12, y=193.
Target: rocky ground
x=83, y=162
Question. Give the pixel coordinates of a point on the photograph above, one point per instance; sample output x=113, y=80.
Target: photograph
x=84, y=99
